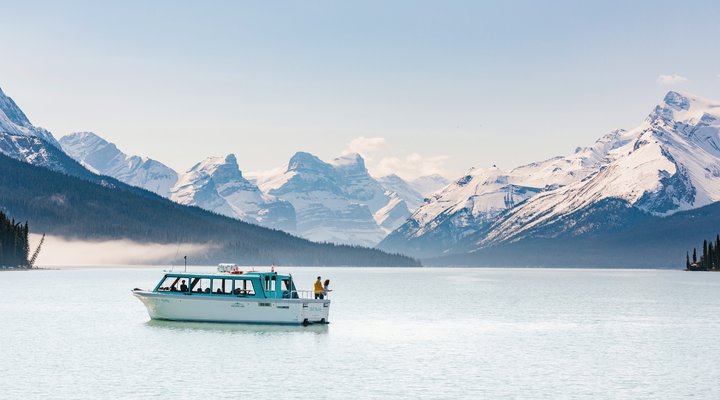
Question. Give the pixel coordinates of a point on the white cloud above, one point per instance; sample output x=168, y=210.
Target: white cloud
x=365, y=145
x=410, y=166
x=380, y=161
x=673, y=79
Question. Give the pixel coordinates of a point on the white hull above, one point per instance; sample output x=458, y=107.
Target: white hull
x=184, y=307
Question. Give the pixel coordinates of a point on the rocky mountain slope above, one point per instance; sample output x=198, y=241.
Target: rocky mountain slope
x=104, y=158
x=63, y=205
x=334, y=201
x=668, y=164
x=217, y=184
x=21, y=140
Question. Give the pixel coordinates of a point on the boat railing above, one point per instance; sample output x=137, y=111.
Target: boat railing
x=302, y=294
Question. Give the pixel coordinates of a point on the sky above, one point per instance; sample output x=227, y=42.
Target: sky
x=416, y=87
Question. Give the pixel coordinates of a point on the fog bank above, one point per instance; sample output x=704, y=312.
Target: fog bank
x=60, y=252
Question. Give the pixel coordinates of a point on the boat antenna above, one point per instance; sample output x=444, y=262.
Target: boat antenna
x=185, y=258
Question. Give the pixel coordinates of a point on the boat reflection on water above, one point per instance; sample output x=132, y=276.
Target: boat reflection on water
x=239, y=328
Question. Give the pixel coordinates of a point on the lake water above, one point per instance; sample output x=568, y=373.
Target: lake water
x=394, y=333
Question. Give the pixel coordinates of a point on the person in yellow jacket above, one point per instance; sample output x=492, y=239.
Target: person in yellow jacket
x=319, y=290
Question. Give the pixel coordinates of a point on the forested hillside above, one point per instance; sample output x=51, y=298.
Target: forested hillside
x=73, y=207
x=14, y=244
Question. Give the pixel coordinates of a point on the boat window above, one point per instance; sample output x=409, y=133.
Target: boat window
x=286, y=286
x=222, y=286
x=270, y=283
x=244, y=287
x=170, y=283
x=200, y=285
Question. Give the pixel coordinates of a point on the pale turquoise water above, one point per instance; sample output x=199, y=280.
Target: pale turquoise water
x=417, y=333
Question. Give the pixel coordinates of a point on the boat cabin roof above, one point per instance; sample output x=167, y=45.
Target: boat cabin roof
x=225, y=275
x=249, y=284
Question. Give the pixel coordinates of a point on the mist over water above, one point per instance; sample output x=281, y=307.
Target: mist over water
x=61, y=252
x=394, y=333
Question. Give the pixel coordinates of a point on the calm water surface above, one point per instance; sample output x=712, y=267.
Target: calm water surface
x=394, y=333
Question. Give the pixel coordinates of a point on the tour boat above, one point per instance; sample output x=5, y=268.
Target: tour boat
x=233, y=296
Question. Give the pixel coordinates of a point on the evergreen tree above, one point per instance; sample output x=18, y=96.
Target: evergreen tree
x=710, y=257
x=717, y=252
x=703, y=260
x=694, y=255
x=687, y=260
x=14, y=244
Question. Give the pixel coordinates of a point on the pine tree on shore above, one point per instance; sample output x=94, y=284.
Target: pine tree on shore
x=694, y=255
x=711, y=257
x=14, y=244
x=687, y=260
x=703, y=259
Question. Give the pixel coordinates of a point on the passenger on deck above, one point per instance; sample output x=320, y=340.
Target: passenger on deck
x=207, y=290
x=183, y=286
x=326, y=288
x=319, y=291
x=219, y=291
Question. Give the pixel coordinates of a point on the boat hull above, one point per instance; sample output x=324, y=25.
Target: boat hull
x=229, y=309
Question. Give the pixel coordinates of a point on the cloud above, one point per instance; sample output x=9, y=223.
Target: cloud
x=380, y=160
x=365, y=145
x=411, y=166
x=669, y=80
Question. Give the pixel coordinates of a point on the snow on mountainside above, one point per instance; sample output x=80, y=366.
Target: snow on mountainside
x=105, y=158
x=14, y=122
x=217, y=184
x=403, y=190
x=336, y=201
x=670, y=163
x=427, y=185
x=474, y=201
x=23, y=141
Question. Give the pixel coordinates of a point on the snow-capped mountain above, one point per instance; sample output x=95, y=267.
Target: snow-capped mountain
x=403, y=190
x=13, y=121
x=429, y=184
x=668, y=164
x=461, y=209
x=331, y=200
x=217, y=184
x=104, y=158
x=23, y=141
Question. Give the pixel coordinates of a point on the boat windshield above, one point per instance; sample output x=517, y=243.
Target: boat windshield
x=170, y=284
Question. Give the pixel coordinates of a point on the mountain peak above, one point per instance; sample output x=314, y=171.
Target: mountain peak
x=302, y=161
x=83, y=137
x=350, y=161
x=12, y=111
x=683, y=107
x=231, y=159
x=676, y=101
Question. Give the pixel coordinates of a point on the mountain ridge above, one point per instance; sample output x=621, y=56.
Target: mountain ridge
x=670, y=163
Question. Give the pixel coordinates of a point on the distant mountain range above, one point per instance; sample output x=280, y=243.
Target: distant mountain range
x=337, y=201
x=40, y=183
x=638, y=197
x=573, y=209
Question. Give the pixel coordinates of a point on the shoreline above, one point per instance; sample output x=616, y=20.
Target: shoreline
x=260, y=268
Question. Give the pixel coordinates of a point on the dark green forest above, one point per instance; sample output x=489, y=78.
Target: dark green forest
x=709, y=259
x=98, y=208
x=14, y=245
